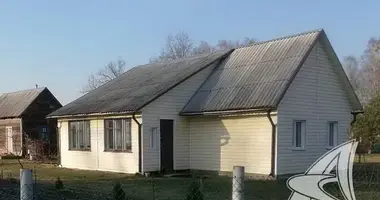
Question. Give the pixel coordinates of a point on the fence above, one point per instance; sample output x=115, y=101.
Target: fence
x=194, y=187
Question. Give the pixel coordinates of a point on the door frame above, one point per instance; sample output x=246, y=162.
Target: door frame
x=160, y=145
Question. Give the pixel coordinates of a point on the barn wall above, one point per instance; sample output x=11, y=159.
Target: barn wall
x=16, y=136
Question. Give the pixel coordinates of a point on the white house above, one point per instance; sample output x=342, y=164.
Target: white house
x=273, y=107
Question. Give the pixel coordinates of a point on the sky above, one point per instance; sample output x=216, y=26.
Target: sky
x=58, y=44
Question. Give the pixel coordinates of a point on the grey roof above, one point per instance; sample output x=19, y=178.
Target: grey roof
x=257, y=76
x=252, y=77
x=137, y=87
x=13, y=104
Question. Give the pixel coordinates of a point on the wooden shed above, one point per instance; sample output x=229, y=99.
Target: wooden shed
x=23, y=121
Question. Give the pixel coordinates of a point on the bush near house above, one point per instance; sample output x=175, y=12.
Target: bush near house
x=40, y=150
x=367, y=127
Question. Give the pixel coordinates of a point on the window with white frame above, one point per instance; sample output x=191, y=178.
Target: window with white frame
x=299, y=134
x=153, y=138
x=332, y=134
x=79, y=135
x=117, y=135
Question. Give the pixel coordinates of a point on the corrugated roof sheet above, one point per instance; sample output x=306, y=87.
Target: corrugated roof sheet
x=253, y=77
x=14, y=104
x=138, y=86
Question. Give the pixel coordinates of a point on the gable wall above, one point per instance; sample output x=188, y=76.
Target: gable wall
x=316, y=96
x=168, y=106
x=34, y=117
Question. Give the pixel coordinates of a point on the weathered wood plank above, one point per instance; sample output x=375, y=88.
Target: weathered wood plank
x=16, y=135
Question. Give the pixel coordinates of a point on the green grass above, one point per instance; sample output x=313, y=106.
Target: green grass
x=84, y=184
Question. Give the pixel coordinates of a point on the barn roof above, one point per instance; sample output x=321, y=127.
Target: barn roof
x=13, y=104
x=252, y=77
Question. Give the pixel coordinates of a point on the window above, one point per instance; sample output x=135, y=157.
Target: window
x=299, y=132
x=44, y=134
x=152, y=138
x=79, y=135
x=332, y=134
x=117, y=135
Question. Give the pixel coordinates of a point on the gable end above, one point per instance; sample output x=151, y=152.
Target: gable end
x=338, y=68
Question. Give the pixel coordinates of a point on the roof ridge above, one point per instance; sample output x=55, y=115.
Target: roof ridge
x=25, y=90
x=185, y=58
x=283, y=37
x=226, y=50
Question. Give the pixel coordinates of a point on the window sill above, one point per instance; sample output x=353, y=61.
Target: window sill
x=88, y=150
x=298, y=149
x=118, y=151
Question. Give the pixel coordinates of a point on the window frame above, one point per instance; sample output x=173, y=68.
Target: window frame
x=88, y=147
x=123, y=129
x=303, y=135
x=153, y=137
x=335, y=136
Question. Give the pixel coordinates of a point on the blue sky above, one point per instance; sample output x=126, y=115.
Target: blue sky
x=59, y=43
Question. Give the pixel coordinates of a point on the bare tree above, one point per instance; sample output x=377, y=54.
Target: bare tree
x=224, y=44
x=109, y=72
x=249, y=41
x=177, y=46
x=181, y=46
x=357, y=77
x=203, y=48
x=370, y=70
x=352, y=69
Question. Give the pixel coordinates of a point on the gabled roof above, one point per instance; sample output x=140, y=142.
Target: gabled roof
x=248, y=78
x=13, y=104
x=257, y=77
x=137, y=87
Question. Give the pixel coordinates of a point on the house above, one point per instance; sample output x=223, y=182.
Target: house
x=23, y=118
x=273, y=107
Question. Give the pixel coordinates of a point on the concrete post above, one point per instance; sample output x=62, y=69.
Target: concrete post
x=26, y=184
x=238, y=183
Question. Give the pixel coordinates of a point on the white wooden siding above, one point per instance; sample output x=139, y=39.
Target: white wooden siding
x=316, y=96
x=168, y=106
x=217, y=144
x=97, y=159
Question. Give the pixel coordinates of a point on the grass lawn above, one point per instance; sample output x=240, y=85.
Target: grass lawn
x=369, y=158
x=83, y=184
